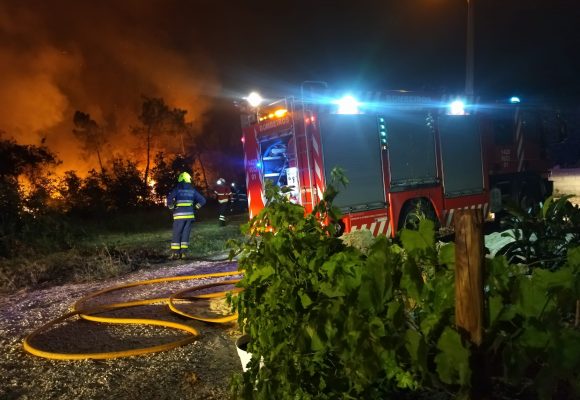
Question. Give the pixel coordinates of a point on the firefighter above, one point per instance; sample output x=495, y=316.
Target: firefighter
x=184, y=200
x=223, y=195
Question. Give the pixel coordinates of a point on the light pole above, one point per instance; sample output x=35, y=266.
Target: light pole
x=469, y=52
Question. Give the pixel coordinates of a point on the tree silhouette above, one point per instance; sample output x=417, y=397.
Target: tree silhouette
x=159, y=120
x=90, y=134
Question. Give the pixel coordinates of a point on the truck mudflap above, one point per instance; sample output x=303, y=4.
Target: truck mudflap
x=376, y=221
x=447, y=216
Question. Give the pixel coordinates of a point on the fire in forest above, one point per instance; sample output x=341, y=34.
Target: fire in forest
x=61, y=57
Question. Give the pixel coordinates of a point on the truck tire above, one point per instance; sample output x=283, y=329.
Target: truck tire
x=414, y=211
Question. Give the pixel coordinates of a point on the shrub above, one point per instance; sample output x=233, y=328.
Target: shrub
x=330, y=321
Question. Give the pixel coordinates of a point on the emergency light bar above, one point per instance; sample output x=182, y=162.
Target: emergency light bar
x=347, y=105
x=457, y=107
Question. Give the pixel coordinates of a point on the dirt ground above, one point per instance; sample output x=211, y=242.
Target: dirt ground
x=200, y=370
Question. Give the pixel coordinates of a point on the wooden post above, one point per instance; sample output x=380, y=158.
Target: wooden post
x=469, y=257
x=469, y=319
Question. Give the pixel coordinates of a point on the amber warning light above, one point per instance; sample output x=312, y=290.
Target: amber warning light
x=275, y=114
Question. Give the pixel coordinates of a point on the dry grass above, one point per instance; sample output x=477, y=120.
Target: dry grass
x=107, y=255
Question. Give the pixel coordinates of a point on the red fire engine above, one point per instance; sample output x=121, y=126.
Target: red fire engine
x=402, y=153
x=520, y=141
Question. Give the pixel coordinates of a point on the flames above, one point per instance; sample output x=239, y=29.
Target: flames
x=59, y=63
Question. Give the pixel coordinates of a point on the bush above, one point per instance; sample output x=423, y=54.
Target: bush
x=329, y=321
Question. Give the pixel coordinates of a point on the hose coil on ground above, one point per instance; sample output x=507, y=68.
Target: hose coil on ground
x=91, y=314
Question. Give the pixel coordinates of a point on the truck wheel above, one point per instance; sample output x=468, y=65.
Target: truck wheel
x=415, y=211
x=340, y=228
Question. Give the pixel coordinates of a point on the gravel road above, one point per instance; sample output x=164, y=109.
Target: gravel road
x=200, y=370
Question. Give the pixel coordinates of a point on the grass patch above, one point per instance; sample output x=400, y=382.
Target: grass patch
x=116, y=247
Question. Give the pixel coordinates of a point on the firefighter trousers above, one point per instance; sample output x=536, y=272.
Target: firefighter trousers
x=222, y=209
x=181, y=232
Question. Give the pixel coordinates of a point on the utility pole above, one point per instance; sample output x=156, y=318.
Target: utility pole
x=469, y=53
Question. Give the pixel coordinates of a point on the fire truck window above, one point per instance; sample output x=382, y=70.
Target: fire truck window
x=503, y=130
x=276, y=160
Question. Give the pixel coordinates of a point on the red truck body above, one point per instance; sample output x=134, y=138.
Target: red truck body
x=399, y=150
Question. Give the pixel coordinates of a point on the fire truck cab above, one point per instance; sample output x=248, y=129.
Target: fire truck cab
x=404, y=154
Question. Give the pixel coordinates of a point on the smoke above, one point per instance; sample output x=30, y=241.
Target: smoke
x=98, y=57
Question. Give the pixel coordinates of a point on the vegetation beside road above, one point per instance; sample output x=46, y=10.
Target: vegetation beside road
x=112, y=247
x=370, y=318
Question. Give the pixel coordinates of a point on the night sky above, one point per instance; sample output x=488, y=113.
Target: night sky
x=524, y=46
x=100, y=56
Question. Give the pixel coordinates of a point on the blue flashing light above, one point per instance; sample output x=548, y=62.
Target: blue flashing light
x=515, y=100
x=258, y=164
x=457, y=107
x=348, y=105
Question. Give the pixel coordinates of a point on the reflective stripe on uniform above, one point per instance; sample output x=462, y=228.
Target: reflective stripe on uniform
x=222, y=218
x=184, y=245
x=175, y=246
x=190, y=216
x=185, y=204
x=223, y=201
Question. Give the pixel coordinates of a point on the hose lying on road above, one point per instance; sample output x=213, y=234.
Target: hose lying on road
x=90, y=314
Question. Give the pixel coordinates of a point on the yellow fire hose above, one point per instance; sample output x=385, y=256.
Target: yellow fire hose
x=89, y=315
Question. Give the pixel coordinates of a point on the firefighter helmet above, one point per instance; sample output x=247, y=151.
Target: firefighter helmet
x=184, y=177
x=221, y=181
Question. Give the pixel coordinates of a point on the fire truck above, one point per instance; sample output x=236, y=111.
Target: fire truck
x=403, y=153
x=523, y=142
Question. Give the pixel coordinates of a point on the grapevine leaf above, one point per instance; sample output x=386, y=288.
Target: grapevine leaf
x=415, y=345
x=261, y=274
x=532, y=298
x=560, y=279
x=315, y=342
x=428, y=323
x=412, y=280
x=422, y=239
x=446, y=255
x=535, y=338
x=377, y=327
x=453, y=359
x=305, y=299
x=495, y=307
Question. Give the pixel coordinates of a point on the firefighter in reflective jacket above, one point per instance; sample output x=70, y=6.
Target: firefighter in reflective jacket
x=183, y=200
x=223, y=195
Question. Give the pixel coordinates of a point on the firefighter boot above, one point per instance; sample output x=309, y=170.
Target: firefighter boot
x=175, y=255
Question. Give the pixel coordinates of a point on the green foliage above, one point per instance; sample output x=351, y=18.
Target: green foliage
x=542, y=238
x=329, y=320
x=531, y=340
x=332, y=321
